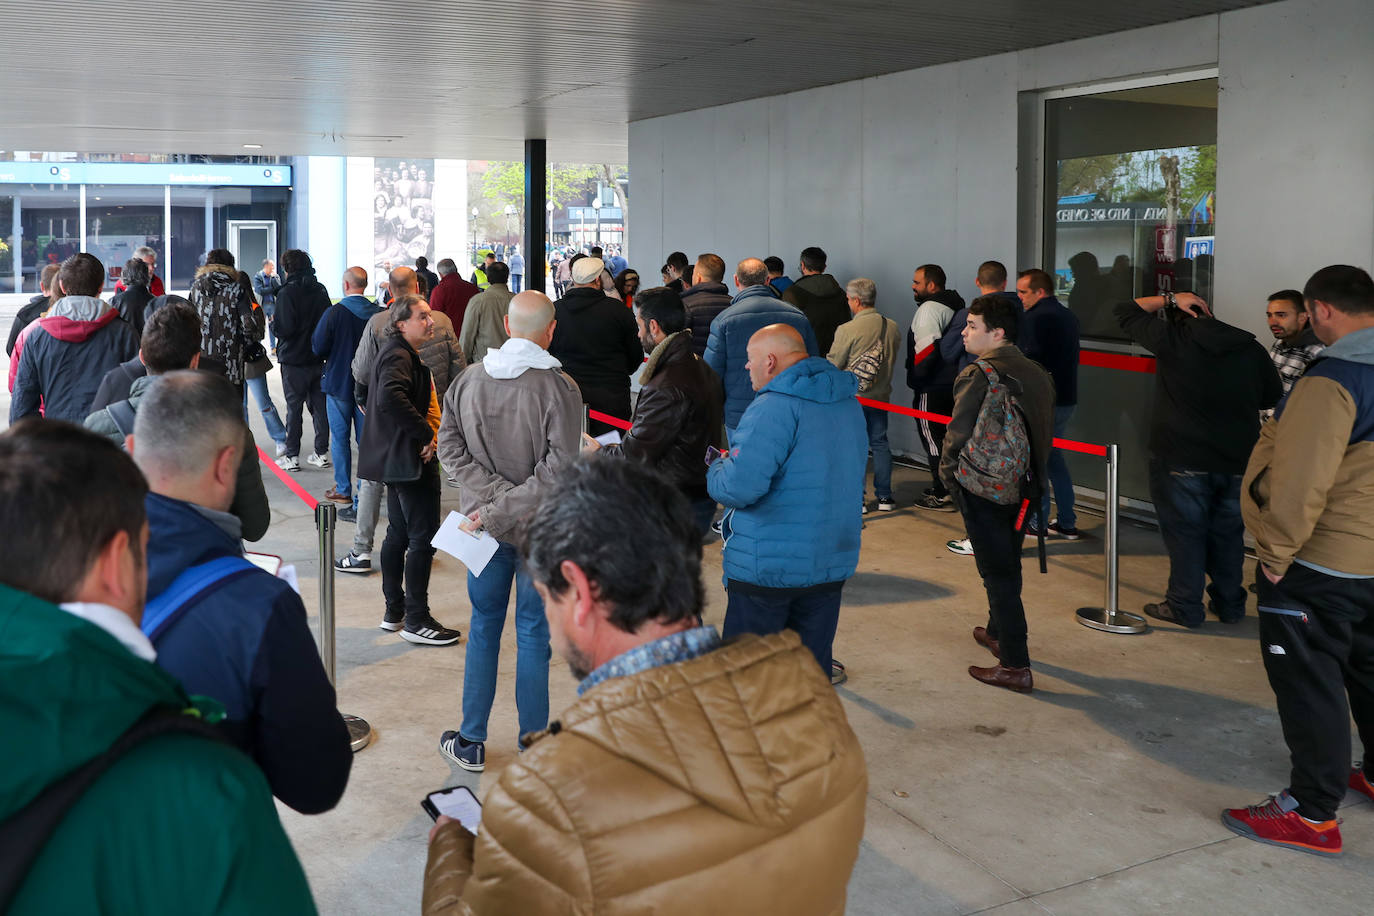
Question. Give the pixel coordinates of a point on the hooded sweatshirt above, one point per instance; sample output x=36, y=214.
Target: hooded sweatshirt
x=1211, y=383
x=926, y=367
x=301, y=304
x=1308, y=492
x=509, y=424
x=823, y=302
x=791, y=480
x=336, y=339
x=180, y=825
x=64, y=356
x=596, y=340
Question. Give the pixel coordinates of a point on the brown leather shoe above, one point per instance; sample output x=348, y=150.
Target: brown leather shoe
x=1018, y=679
x=980, y=636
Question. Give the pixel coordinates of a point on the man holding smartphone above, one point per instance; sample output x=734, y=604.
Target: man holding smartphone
x=679, y=766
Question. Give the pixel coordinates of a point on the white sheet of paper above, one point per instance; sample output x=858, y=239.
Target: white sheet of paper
x=610, y=438
x=473, y=552
x=288, y=574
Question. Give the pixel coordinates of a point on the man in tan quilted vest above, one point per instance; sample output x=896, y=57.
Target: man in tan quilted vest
x=692, y=775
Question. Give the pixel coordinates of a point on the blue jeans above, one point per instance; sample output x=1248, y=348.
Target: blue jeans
x=275, y=427
x=813, y=614
x=269, y=310
x=1199, y=517
x=882, y=455
x=516, y=280
x=1060, y=481
x=343, y=412
x=490, y=594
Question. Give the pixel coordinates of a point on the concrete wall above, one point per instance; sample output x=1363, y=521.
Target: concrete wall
x=889, y=172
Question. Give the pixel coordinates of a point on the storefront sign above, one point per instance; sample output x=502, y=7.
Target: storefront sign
x=1112, y=214
x=145, y=173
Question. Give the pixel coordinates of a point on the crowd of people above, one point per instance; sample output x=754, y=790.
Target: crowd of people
x=131, y=468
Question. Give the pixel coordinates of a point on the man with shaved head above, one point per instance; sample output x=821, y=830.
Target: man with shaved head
x=792, y=485
x=510, y=423
x=755, y=306
x=336, y=339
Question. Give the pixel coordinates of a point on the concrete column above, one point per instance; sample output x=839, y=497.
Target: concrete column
x=536, y=217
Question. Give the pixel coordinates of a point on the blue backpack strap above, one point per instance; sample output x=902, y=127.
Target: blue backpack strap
x=186, y=589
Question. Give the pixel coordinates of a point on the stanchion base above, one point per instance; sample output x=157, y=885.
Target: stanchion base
x=359, y=732
x=1116, y=622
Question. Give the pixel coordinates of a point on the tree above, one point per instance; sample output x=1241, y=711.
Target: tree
x=504, y=182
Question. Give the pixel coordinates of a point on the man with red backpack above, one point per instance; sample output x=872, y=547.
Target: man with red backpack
x=993, y=463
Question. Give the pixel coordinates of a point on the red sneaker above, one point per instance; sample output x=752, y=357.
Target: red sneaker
x=1360, y=783
x=1277, y=823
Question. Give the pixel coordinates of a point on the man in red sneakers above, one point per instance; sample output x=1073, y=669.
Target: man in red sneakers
x=1307, y=497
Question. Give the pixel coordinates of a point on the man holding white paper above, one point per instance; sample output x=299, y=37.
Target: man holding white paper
x=510, y=422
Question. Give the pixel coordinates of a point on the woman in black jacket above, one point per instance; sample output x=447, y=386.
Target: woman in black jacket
x=397, y=448
x=136, y=295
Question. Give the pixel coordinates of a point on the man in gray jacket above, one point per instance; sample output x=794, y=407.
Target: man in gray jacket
x=868, y=346
x=484, y=319
x=510, y=423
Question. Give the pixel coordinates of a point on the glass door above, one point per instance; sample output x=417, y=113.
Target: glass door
x=252, y=242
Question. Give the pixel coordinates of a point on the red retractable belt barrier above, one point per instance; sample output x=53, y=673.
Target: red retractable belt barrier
x=286, y=479
x=1123, y=361
x=1070, y=445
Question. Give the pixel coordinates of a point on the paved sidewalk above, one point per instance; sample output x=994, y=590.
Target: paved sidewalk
x=1098, y=793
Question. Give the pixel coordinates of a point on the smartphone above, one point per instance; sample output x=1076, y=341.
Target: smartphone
x=457, y=802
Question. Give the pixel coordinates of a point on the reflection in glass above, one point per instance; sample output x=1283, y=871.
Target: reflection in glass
x=1132, y=197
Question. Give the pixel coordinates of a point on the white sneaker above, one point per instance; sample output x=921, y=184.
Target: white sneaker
x=963, y=547
x=287, y=463
x=319, y=461
x=281, y=449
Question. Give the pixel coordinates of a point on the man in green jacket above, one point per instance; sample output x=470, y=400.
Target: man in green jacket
x=180, y=823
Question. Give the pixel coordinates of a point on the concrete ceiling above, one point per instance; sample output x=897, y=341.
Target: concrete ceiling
x=473, y=80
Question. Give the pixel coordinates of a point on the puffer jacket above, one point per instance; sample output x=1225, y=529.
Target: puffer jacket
x=228, y=320
x=1308, y=492
x=704, y=301
x=793, y=481
x=678, y=414
x=727, y=347
x=441, y=354
x=926, y=367
x=823, y=302
x=604, y=814
x=510, y=423
x=61, y=359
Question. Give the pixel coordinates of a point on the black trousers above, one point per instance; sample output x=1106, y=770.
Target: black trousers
x=412, y=510
x=997, y=551
x=939, y=401
x=302, y=385
x=1317, y=640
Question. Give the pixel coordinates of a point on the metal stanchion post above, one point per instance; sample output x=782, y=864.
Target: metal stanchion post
x=585, y=419
x=326, y=518
x=1109, y=618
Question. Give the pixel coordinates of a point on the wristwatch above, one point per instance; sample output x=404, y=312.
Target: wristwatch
x=1169, y=301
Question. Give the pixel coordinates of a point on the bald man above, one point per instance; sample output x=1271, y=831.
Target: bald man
x=755, y=306
x=510, y=423
x=792, y=485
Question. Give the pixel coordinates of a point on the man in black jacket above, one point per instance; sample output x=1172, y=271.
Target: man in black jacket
x=705, y=299
x=1211, y=382
x=929, y=375
x=597, y=342
x=398, y=449
x=821, y=299
x=680, y=409
x=301, y=304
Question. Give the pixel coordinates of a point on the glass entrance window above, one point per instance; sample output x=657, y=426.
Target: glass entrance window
x=1130, y=197
x=50, y=228
x=120, y=219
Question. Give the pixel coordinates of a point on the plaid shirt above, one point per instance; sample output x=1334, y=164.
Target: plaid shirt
x=677, y=647
x=1292, y=361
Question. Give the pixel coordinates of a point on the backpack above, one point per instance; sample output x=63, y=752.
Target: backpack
x=995, y=461
x=865, y=366
x=24, y=834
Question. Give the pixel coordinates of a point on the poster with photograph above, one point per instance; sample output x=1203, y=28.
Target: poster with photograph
x=402, y=213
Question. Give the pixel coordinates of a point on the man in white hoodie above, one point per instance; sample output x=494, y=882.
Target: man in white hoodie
x=510, y=422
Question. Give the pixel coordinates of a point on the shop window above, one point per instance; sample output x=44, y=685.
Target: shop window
x=1130, y=197
x=120, y=219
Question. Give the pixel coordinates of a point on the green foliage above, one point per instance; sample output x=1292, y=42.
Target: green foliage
x=504, y=182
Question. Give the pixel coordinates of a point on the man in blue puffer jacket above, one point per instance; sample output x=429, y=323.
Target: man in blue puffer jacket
x=726, y=349
x=792, y=485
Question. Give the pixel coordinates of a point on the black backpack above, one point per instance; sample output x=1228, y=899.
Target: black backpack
x=24, y=834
